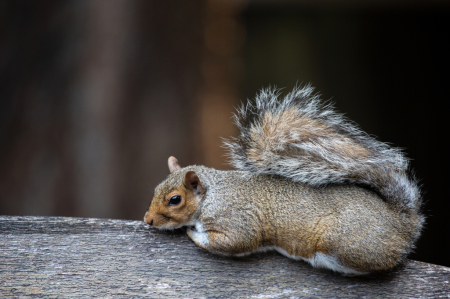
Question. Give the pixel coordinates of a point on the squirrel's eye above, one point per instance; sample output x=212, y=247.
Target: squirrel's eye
x=175, y=200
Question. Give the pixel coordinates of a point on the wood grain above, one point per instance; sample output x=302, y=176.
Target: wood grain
x=56, y=257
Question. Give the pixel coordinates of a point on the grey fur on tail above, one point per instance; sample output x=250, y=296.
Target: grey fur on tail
x=304, y=140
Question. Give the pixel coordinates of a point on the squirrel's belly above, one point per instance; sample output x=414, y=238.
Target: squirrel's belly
x=317, y=260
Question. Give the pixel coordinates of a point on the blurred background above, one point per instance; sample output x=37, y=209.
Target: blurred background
x=97, y=94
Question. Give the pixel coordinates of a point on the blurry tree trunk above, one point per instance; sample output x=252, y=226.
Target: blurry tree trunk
x=96, y=95
x=221, y=62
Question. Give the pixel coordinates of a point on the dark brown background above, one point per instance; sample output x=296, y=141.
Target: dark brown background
x=96, y=95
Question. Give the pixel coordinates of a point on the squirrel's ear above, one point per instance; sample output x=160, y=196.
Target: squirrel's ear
x=173, y=164
x=192, y=182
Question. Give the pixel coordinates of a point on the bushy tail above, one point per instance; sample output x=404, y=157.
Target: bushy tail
x=306, y=141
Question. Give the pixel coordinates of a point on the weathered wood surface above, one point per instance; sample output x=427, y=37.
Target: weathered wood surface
x=50, y=257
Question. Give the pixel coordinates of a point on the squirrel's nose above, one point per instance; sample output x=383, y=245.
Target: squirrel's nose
x=147, y=219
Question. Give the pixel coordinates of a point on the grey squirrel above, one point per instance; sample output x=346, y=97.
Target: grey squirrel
x=309, y=184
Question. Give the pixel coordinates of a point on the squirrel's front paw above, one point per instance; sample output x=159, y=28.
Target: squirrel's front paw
x=198, y=235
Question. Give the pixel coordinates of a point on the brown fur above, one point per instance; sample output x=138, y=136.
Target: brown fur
x=285, y=124
x=161, y=214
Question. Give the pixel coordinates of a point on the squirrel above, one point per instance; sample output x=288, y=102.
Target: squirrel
x=310, y=185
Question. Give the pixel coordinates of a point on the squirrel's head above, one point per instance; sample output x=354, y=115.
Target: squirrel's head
x=176, y=199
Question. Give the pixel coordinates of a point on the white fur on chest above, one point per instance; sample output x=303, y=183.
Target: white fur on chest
x=199, y=235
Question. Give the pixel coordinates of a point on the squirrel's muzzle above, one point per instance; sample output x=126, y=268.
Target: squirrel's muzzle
x=148, y=219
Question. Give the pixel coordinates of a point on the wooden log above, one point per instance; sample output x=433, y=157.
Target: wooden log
x=49, y=257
